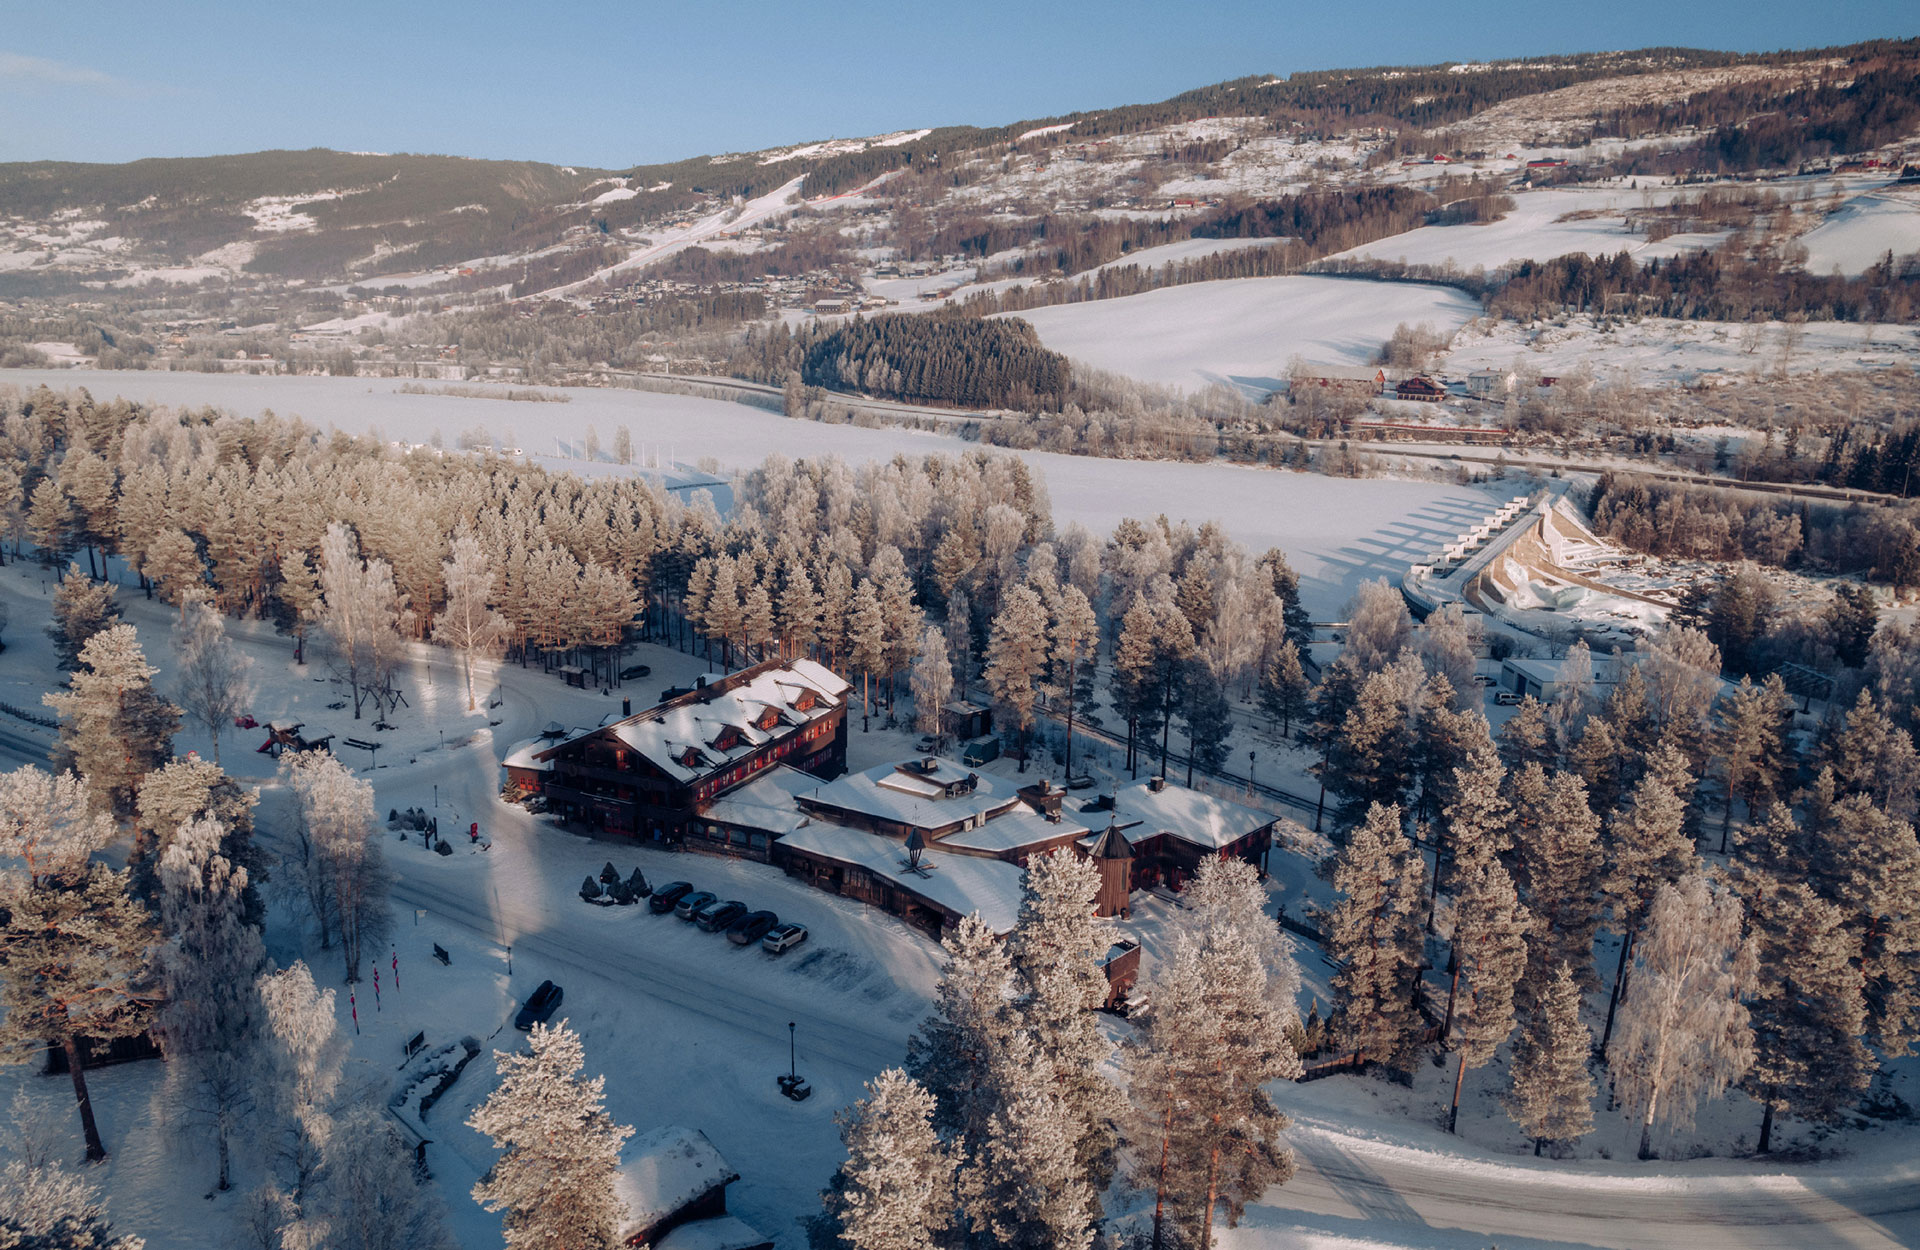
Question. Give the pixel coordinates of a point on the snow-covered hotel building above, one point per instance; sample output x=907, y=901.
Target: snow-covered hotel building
x=648, y=774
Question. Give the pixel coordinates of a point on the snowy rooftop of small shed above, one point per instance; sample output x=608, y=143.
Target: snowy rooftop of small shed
x=665, y=1170
x=885, y=793
x=724, y=1233
x=960, y=883
x=766, y=802
x=1187, y=814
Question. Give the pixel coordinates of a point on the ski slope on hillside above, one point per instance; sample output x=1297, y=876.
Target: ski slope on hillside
x=1242, y=332
x=726, y=221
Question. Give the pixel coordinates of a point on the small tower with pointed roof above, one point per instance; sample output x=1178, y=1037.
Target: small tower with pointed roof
x=1113, y=856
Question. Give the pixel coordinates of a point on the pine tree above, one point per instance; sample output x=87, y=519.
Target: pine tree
x=556, y=1180
x=867, y=639
x=114, y=729
x=1808, y=1010
x=1017, y=656
x=1869, y=864
x=1489, y=956
x=959, y=630
x=1055, y=951
x=758, y=628
x=210, y=677
x=1204, y=1131
x=1552, y=1095
x=895, y=1191
x=73, y=945
x=1479, y=820
x=1526, y=738
x=1684, y=1033
x=1751, y=742
x=1370, y=758
x=953, y=1053
x=1074, y=634
x=1559, y=874
x=799, y=611
x=468, y=623
x=212, y=956
x=1284, y=689
x=82, y=608
x=1374, y=935
x=174, y=562
x=1646, y=847
x=1205, y=717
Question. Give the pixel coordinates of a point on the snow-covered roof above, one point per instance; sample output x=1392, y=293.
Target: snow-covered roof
x=1189, y=815
x=1018, y=828
x=723, y=1233
x=766, y=802
x=684, y=737
x=665, y=1170
x=959, y=884
x=921, y=801
x=523, y=754
x=1549, y=672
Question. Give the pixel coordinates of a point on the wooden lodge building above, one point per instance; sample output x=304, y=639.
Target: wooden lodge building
x=647, y=775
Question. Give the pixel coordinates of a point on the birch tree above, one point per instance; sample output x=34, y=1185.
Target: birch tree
x=211, y=674
x=1685, y=1035
x=358, y=612
x=305, y=1054
x=932, y=681
x=468, y=623
x=339, y=856
x=555, y=1179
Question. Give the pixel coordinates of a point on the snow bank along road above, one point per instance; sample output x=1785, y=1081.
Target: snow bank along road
x=1405, y=1196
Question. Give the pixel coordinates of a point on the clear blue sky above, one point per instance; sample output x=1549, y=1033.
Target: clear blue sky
x=613, y=84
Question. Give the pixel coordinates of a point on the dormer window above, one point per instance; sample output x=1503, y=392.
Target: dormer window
x=691, y=758
x=768, y=719
x=728, y=738
x=804, y=701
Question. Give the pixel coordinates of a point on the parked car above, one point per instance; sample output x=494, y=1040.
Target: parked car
x=539, y=1007
x=689, y=907
x=1482, y=679
x=717, y=916
x=1507, y=698
x=636, y=670
x=668, y=896
x=783, y=937
x=751, y=927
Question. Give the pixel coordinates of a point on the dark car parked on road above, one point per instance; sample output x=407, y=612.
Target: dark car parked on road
x=717, y=916
x=539, y=1007
x=751, y=927
x=668, y=896
x=636, y=670
x=688, y=907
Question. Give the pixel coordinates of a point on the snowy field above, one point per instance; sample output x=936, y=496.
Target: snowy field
x=1865, y=229
x=1336, y=532
x=1542, y=225
x=1242, y=332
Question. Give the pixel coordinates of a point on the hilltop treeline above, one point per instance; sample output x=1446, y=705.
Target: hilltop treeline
x=1707, y=286
x=939, y=359
x=1693, y=523
x=555, y=335
x=795, y=256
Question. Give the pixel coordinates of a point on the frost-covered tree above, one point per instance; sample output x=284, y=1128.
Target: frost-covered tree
x=366, y=1195
x=1809, y=1011
x=358, y=612
x=1055, y=950
x=304, y=1055
x=47, y=1207
x=189, y=789
x=959, y=630
x=338, y=856
x=1646, y=847
x=1024, y=1188
x=799, y=611
x=895, y=1191
x=1017, y=656
x=1378, y=626
x=468, y=623
x=1369, y=758
x=1489, y=957
x=1751, y=739
x=1869, y=864
x=174, y=562
x=867, y=639
x=555, y=1181
x=82, y=608
x=1203, y=1131
x=953, y=1053
x=932, y=681
x=1374, y=936
x=211, y=1016
x=1552, y=1095
x=1684, y=1031
x=1479, y=820
x=1073, y=636
x=114, y=729
x=1284, y=689
x=211, y=674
